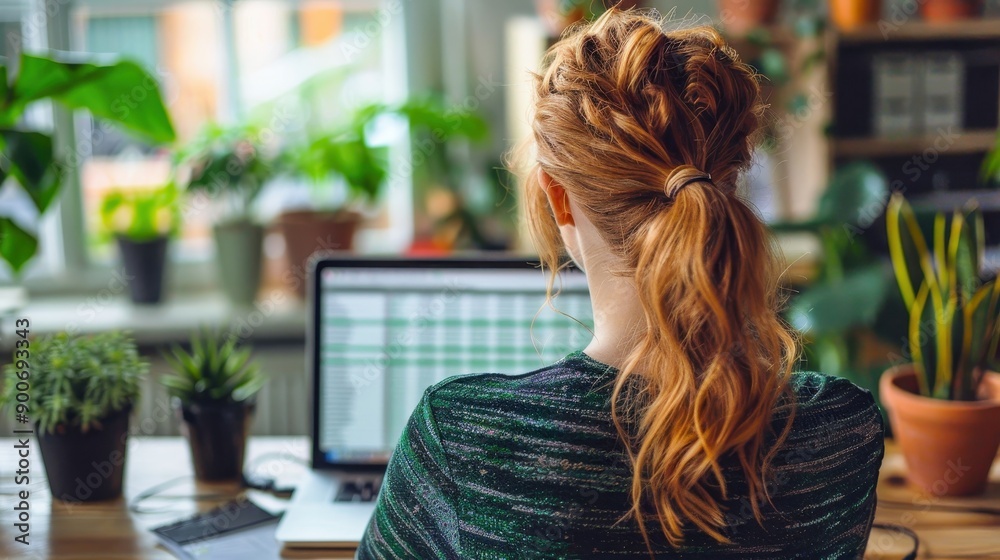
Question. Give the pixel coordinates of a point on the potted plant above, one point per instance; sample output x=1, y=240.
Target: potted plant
x=28, y=157
x=213, y=387
x=228, y=166
x=340, y=157
x=450, y=214
x=741, y=16
x=942, y=11
x=142, y=221
x=945, y=405
x=82, y=390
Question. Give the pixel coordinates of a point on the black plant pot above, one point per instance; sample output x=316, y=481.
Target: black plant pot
x=86, y=466
x=144, y=264
x=217, y=434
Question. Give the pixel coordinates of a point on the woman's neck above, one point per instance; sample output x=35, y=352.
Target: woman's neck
x=619, y=320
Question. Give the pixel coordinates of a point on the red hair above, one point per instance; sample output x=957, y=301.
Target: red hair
x=648, y=132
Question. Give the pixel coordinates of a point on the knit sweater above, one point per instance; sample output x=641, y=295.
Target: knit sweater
x=508, y=467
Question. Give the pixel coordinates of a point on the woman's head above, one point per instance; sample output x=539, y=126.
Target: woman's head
x=641, y=136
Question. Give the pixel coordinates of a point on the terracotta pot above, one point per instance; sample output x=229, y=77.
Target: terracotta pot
x=950, y=10
x=949, y=446
x=307, y=232
x=851, y=14
x=741, y=16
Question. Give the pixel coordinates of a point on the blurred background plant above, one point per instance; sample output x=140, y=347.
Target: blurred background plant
x=227, y=164
x=848, y=299
x=142, y=221
x=30, y=158
x=141, y=214
x=228, y=167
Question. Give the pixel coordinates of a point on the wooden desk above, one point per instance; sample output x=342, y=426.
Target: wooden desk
x=107, y=531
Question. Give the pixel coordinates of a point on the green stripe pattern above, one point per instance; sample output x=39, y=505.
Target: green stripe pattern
x=495, y=466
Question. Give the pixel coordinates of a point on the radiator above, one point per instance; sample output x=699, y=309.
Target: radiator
x=282, y=405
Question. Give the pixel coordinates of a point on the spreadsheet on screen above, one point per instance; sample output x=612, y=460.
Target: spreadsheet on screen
x=387, y=334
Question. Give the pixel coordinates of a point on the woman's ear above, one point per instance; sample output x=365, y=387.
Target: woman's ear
x=558, y=198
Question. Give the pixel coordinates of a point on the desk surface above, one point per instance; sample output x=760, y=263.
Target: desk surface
x=109, y=532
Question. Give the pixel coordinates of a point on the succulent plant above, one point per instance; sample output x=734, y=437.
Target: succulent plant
x=76, y=382
x=216, y=370
x=954, y=323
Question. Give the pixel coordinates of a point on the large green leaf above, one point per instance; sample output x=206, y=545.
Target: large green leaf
x=121, y=92
x=16, y=245
x=834, y=307
x=977, y=321
x=923, y=333
x=907, y=247
x=856, y=195
x=31, y=163
x=968, y=250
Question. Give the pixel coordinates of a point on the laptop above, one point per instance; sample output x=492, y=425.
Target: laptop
x=381, y=331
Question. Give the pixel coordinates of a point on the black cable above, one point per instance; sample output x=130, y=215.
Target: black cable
x=912, y=554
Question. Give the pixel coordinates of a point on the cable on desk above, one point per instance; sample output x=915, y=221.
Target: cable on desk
x=912, y=554
x=152, y=493
x=248, y=480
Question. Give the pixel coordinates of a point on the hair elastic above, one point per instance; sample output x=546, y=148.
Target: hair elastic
x=671, y=193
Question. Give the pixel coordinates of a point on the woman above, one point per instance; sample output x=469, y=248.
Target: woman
x=680, y=431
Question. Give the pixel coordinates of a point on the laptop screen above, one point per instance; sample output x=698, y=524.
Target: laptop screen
x=385, y=333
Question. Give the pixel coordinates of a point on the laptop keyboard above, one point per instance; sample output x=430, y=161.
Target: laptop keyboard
x=358, y=491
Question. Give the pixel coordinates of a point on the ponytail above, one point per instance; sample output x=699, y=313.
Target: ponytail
x=714, y=360
x=649, y=131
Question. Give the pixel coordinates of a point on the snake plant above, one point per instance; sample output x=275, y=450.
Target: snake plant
x=216, y=370
x=954, y=322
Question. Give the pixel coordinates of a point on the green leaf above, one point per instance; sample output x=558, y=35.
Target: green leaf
x=31, y=163
x=990, y=170
x=772, y=64
x=759, y=37
x=856, y=195
x=923, y=334
x=16, y=245
x=833, y=307
x=907, y=248
x=121, y=92
x=978, y=320
x=808, y=26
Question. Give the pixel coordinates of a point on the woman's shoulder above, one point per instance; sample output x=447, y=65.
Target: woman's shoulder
x=834, y=410
x=818, y=392
x=563, y=378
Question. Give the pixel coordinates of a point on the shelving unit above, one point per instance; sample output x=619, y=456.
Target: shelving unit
x=937, y=169
x=967, y=142
x=978, y=29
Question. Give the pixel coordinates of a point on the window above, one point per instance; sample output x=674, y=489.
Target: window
x=216, y=61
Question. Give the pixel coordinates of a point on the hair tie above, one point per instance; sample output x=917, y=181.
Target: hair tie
x=672, y=191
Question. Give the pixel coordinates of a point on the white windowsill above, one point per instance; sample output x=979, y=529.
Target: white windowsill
x=276, y=316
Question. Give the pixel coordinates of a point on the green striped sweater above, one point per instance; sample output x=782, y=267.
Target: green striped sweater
x=494, y=466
